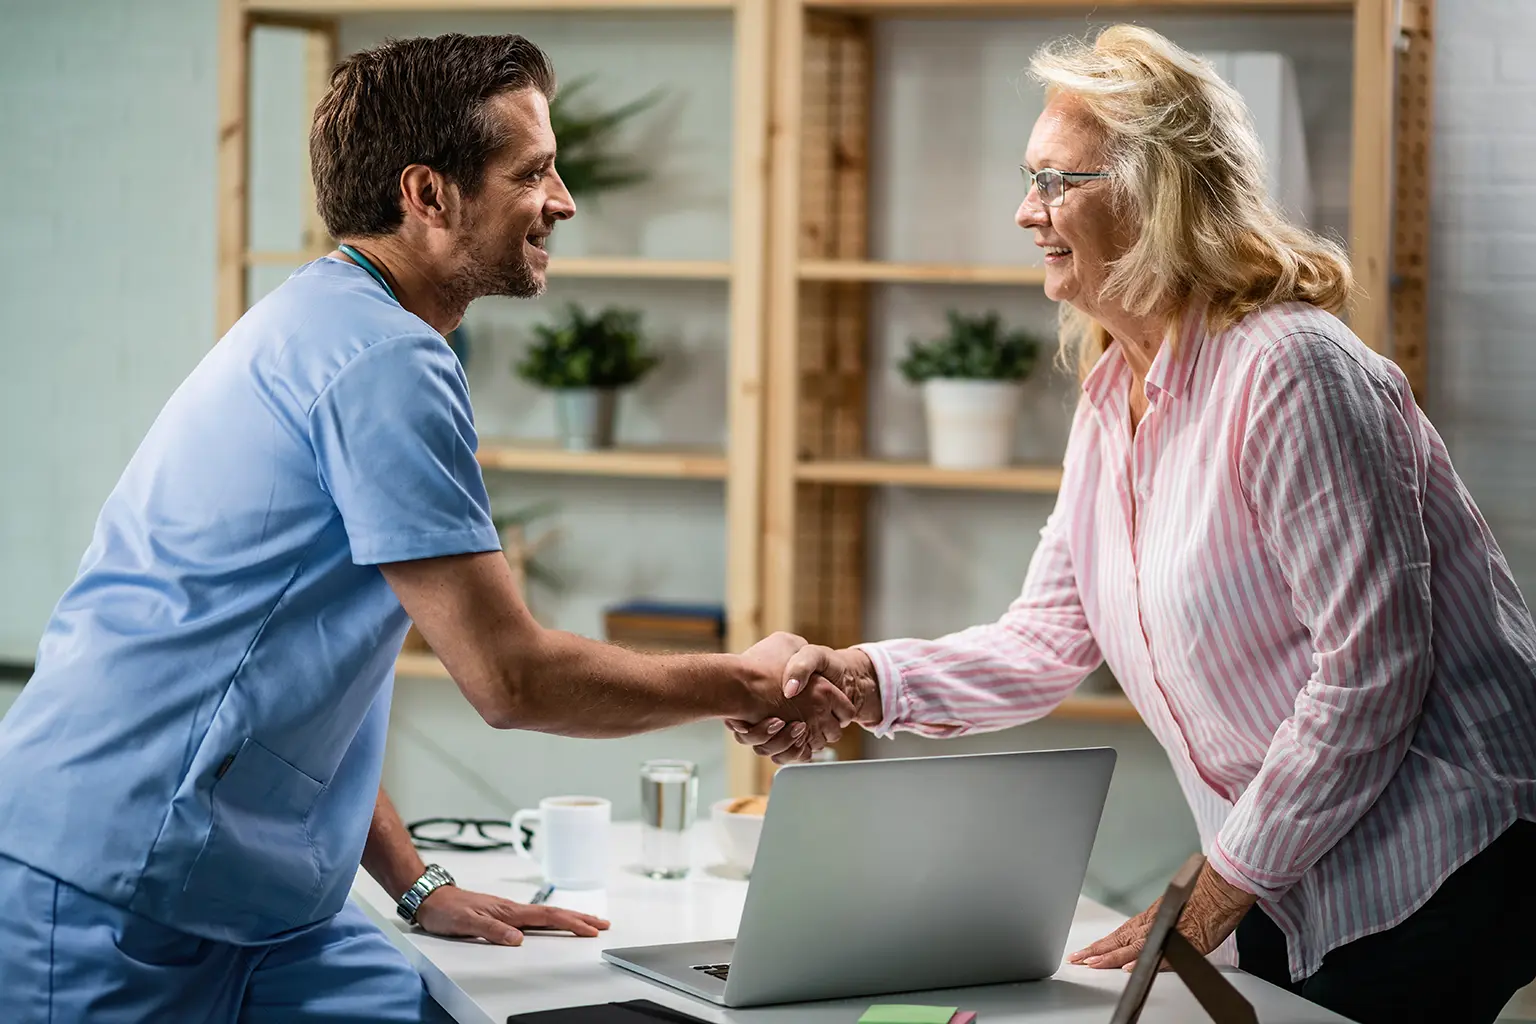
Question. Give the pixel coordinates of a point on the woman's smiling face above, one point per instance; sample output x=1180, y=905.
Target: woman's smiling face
x=1083, y=236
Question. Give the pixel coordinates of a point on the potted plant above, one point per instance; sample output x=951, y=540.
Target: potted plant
x=971, y=380
x=585, y=359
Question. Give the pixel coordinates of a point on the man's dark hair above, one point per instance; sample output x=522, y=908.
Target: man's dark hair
x=412, y=101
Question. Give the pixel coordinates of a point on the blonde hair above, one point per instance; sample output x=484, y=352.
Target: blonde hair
x=1187, y=167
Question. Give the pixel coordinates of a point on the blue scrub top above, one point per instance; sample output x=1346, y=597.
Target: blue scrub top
x=202, y=740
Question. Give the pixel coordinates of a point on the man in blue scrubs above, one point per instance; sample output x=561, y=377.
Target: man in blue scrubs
x=191, y=778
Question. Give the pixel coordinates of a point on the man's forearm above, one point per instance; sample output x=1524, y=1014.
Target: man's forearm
x=579, y=687
x=519, y=675
x=389, y=855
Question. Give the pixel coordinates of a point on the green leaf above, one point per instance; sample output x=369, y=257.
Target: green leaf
x=585, y=136
x=582, y=350
x=976, y=348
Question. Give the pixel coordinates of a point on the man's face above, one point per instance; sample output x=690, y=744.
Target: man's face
x=508, y=220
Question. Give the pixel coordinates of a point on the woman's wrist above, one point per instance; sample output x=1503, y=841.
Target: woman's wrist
x=862, y=686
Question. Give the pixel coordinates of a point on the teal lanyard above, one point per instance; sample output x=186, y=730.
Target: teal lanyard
x=367, y=265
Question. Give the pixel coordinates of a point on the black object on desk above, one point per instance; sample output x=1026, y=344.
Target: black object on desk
x=635, y=1011
x=1209, y=986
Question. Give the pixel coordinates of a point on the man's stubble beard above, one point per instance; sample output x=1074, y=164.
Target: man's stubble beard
x=480, y=273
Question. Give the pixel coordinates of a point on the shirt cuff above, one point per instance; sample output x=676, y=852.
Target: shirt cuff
x=893, y=695
x=408, y=547
x=1240, y=876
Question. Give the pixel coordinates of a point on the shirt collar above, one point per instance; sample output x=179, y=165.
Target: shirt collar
x=1174, y=364
x=1108, y=378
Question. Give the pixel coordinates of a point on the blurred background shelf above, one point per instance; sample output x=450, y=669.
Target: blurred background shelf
x=420, y=665
x=875, y=472
x=919, y=273
x=659, y=463
x=618, y=268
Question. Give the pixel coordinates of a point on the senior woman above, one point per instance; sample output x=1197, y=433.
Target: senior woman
x=1263, y=536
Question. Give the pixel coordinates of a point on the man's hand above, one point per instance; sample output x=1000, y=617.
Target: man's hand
x=1214, y=909
x=808, y=671
x=805, y=721
x=458, y=913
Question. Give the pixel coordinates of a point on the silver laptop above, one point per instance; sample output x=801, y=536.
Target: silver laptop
x=881, y=876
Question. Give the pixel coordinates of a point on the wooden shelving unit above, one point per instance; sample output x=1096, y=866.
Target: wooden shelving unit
x=819, y=470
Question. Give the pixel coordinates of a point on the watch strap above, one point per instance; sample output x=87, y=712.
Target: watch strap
x=434, y=878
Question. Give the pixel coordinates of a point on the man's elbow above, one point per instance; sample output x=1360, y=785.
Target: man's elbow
x=501, y=702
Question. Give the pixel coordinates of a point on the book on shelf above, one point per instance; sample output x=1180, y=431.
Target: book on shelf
x=666, y=626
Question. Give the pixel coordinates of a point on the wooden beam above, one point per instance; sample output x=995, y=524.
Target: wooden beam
x=1370, y=193
x=320, y=51
x=782, y=342
x=233, y=164
x=752, y=101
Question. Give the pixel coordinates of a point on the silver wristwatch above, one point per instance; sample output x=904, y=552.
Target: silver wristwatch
x=431, y=880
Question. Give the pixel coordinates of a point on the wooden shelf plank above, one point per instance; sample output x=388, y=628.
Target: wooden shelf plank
x=634, y=267
x=919, y=273
x=663, y=463
x=615, y=267
x=874, y=472
x=330, y=8
x=420, y=665
x=1065, y=6
x=1096, y=708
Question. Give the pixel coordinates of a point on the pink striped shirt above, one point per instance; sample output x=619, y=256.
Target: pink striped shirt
x=1299, y=596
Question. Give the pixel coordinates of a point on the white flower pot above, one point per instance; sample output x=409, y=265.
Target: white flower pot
x=585, y=417
x=971, y=423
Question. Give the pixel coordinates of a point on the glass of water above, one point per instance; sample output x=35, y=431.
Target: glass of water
x=669, y=800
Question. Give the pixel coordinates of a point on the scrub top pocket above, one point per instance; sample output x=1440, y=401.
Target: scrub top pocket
x=259, y=858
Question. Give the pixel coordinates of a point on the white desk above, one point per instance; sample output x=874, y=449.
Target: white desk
x=482, y=984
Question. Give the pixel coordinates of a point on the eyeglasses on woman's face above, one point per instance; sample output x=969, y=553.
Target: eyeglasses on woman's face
x=1051, y=185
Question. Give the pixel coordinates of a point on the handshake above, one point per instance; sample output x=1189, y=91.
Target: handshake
x=807, y=695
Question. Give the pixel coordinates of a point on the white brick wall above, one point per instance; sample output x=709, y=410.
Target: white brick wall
x=1483, y=263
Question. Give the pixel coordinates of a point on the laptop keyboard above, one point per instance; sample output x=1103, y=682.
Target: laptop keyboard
x=721, y=971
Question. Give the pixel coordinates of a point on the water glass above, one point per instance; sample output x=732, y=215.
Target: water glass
x=669, y=800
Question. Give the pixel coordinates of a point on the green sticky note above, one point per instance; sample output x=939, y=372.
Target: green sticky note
x=891, y=1013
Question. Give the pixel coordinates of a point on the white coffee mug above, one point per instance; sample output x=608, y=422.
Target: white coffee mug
x=572, y=841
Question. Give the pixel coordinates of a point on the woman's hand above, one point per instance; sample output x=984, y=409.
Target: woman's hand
x=458, y=913
x=1214, y=909
x=808, y=720
x=810, y=670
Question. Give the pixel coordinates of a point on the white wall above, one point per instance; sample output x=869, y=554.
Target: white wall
x=106, y=265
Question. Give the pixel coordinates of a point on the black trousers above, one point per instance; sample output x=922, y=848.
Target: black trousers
x=1457, y=960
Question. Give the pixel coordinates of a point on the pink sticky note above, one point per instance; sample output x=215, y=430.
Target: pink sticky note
x=963, y=1017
